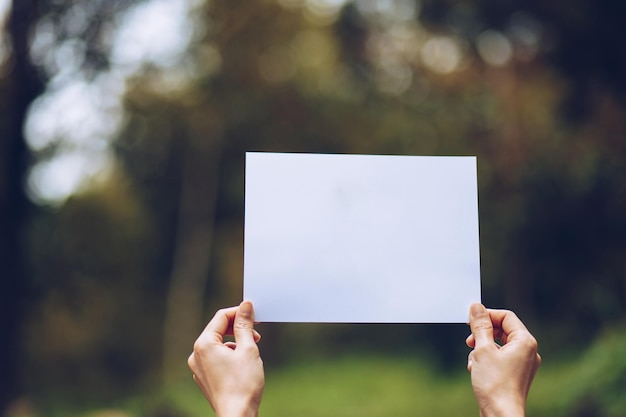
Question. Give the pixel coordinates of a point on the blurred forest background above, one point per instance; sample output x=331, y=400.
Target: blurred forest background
x=123, y=128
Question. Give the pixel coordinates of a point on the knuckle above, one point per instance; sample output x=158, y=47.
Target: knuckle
x=482, y=324
x=243, y=325
x=531, y=343
x=199, y=347
x=249, y=350
x=479, y=350
x=513, y=315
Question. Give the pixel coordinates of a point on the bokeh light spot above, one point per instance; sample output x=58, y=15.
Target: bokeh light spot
x=441, y=54
x=494, y=48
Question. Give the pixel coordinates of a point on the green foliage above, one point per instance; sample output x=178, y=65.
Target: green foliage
x=589, y=385
x=95, y=317
x=547, y=127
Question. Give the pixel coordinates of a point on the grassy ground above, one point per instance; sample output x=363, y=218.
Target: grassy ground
x=590, y=384
x=355, y=386
x=366, y=386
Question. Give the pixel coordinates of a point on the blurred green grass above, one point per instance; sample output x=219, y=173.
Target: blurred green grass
x=365, y=386
x=361, y=385
x=591, y=383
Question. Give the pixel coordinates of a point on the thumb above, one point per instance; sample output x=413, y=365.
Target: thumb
x=243, y=328
x=481, y=325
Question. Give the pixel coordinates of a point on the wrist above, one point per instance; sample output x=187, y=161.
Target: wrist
x=238, y=408
x=503, y=408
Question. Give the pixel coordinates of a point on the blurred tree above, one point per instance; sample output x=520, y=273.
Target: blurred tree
x=558, y=244
x=20, y=84
x=99, y=314
x=480, y=81
x=150, y=247
x=173, y=152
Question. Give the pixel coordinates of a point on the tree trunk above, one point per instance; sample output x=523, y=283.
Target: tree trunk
x=22, y=86
x=192, y=257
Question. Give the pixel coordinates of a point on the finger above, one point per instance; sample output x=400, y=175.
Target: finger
x=244, y=324
x=470, y=342
x=481, y=325
x=219, y=325
x=229, y=332
x=191, y=362
x=508, y=325
x=233, y=345
x=498, y=334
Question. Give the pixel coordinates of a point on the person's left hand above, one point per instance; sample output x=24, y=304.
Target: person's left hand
x=230, y=374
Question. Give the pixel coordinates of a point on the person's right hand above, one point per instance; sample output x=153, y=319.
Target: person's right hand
x=501, y=375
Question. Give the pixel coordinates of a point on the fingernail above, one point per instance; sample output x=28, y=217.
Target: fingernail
x=476, y=310
x=246, y=308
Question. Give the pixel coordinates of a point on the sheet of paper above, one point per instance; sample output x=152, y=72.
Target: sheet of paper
x=361, y=238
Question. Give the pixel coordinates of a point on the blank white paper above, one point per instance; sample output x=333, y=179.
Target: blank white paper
x=361, y=238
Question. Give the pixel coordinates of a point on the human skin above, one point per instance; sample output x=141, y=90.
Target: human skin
x=501, y=373
x=230, y=374
x=231, y=377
